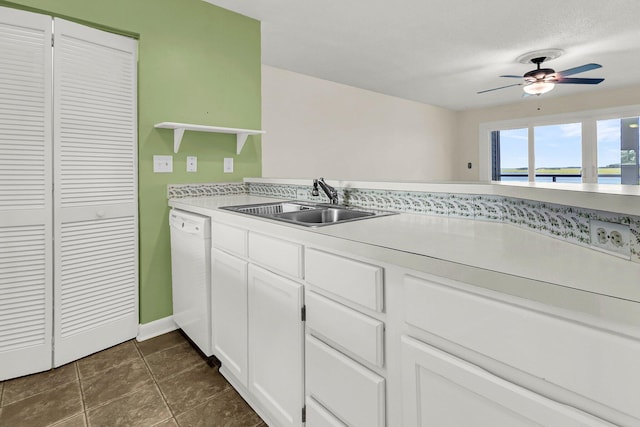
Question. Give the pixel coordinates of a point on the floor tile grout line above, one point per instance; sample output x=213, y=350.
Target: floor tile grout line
x=40, y=392
x=209, y=399
x=166, y=404
x=157, y=351
x=84, y=403
x=155, y=382
x=102, y=371
x=101, y=404
x=106, y=402
x=66, y=419
x=158, y=380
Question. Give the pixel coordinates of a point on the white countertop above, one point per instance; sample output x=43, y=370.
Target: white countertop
x=491, y=246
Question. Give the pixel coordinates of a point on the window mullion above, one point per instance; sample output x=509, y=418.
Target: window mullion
x=532, y=155
x=589, y=151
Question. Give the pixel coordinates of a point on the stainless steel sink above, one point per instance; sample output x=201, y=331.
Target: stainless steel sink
x=325, y=216
x=307, y=214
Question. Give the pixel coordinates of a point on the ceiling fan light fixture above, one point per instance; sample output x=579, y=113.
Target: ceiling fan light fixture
x=538, y=88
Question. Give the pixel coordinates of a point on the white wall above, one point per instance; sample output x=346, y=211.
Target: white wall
x=320, y=128
x=467, y=143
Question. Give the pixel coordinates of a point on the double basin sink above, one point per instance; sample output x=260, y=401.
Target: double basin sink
x=307, y=214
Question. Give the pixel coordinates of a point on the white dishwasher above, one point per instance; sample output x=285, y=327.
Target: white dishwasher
x=191, y=276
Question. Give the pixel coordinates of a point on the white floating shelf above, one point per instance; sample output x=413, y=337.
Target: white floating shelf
x=179, y=128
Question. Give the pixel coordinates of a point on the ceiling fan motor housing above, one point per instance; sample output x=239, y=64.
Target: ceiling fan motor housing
x=539, y=74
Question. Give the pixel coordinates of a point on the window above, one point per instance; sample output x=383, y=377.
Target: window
x=592, y=149
x=513, y=152
x=618, y=151
x=558, y=153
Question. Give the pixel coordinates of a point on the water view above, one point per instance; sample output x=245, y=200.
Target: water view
x=557, y=152
x=562, y=179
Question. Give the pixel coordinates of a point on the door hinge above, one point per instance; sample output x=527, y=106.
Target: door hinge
x=304, y=414
x=303, y=313
x=51, y=40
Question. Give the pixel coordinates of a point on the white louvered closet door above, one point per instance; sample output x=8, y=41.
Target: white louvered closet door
x=25, y=193
x=95, y=208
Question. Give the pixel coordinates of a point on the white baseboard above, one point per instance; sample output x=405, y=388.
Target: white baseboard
x=155, y=328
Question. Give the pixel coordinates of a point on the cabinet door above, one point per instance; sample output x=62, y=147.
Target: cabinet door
x=25, y=193
x=441, y=390
x=276, y=345
x=229, y=312
x=95, y=208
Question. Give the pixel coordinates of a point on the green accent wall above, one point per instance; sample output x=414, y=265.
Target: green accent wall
x=197, y=63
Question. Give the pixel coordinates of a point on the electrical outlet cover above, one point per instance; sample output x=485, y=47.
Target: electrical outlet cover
x=611, y=237
x=192, y=164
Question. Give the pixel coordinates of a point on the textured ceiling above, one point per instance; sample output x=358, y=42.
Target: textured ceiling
x=443, y=52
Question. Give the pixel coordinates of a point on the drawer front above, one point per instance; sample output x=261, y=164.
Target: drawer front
x=228, y=238
x=355, y=281
x=348, y=390
x=585, y=360
x=317, y=416
x=280, y=255
x=354, y=332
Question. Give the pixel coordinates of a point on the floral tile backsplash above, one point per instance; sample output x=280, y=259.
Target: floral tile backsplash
x=560, y=221
x=178, y=191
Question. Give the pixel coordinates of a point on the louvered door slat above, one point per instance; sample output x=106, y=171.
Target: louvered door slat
x=24, y=84
x=25, y=193
x=95, y=145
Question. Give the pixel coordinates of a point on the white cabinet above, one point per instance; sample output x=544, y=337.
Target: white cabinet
x=352, y=280
x=351, y=392
x=318, y=416
x=582, y=358
x=355, y=334
x=229, y=312
x=343, y=345
x=257, y=326
x=276, y=353
x=442, y=390
x=275, y=254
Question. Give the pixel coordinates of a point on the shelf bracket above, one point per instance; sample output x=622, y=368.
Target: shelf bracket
x=241, y=138
x=178, y=133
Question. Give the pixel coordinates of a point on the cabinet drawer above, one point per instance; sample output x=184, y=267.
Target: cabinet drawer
x=354, y=332
x=228, y=238
x=575, y=356
x=317, y=416
x=345, y=388
x=353, y=280
x=277, y=254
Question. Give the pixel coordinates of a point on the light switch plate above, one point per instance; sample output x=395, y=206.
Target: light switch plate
x=228, y=164
x=162, y=164
x=192, y=164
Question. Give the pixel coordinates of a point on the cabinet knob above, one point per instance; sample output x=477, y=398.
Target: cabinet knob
x=100, y=214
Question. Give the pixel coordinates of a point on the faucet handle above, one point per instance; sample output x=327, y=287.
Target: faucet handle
x=315, y=192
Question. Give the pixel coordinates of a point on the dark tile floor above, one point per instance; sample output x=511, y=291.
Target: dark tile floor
x=160, y=382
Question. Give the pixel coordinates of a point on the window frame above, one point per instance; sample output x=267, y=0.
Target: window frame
x=588, y=120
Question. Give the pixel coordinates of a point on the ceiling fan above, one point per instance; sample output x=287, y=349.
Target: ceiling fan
x=542, y=80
